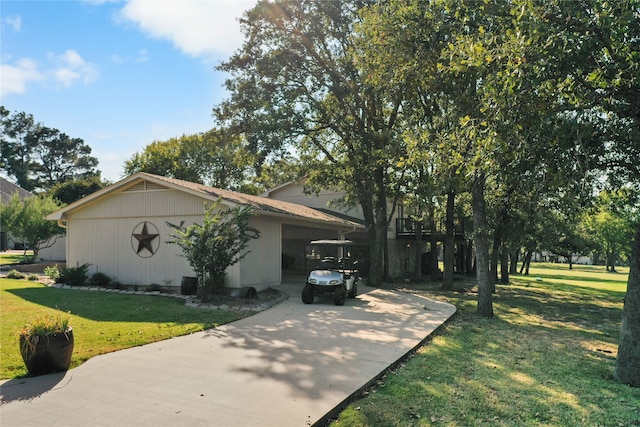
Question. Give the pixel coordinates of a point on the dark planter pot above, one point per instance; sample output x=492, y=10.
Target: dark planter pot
x=48, y=354
x=189, y=285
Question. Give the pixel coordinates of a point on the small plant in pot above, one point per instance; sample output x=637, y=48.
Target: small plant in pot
x=46, y=344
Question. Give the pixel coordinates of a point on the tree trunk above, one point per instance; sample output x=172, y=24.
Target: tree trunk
x=614, y=258
x=470, y=258
x=526, y=262
x=385, y=253
x=513, y=266
x=495, y=256
x=377, y=239
x=628, y=361
x=504, y=266
x=485, y=301
x=526, y=270
x=449, y=243
x=433, y=243
x=417, y=270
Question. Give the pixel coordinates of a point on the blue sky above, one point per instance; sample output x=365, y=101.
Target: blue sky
x=117, y=74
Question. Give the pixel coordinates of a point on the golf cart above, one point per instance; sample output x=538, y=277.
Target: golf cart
x=336, y=275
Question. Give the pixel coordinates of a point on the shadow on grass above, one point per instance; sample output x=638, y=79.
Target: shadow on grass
x=109, y=307
x=546, y=357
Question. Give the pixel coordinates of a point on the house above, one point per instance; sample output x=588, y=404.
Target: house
x=401, y=235
x=123, y=230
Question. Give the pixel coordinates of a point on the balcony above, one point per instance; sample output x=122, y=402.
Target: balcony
x=406, y=229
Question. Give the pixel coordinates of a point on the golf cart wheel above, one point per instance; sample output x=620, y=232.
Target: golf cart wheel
x=354, y=290
x=307, y=294
x=339, y=295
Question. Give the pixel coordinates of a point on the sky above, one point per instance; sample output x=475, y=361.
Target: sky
x=117, y=74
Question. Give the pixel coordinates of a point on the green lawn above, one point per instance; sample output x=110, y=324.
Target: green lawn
x=102, y=322
x=13, y=257
x=546, y=359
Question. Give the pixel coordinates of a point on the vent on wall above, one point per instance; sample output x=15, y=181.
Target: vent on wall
x=145, y=186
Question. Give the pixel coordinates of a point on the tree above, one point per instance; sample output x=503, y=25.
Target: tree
x=219, y=242
x=169, y=158
x=25, y=220
x=16, y=147
x=70, y=191
x=296, y=83
x=610, y=225
x=214, y=158
x=39, y=157
x=60, y=158
x=596, y=51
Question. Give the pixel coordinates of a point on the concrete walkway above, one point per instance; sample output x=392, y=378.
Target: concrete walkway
x=291, y=365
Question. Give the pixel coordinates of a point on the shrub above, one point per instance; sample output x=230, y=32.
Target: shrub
x=74, y=276
x=15, y=274
x=52, y=271
x=99, y=279
x=221, y=241
x=33, y=277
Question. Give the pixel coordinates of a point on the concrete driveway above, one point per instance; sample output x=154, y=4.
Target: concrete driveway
x=291, y=365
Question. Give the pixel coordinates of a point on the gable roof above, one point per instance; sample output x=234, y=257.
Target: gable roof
x=296, y=182
x=8, y=189
x=261, y=205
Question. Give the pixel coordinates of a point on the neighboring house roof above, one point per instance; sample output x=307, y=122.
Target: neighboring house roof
x=342, y=215
x=8, y=189
x=261, y=205
x=297, y=182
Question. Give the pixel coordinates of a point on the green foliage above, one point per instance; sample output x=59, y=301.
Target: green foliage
x=33, y=277
x=218, y=243
x=15, y=274
x=53, y=272
x=47, y=324
x=69, y=191
x=25, y=220
x=610, y=223
x=296, y=83
x=213, y=158
x=99, y=279
x=39, y=157
x=74, y=276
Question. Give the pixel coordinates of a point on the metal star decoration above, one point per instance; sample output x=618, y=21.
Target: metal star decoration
x=145, y=239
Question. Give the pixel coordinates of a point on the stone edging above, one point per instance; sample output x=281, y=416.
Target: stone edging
x=190, y=300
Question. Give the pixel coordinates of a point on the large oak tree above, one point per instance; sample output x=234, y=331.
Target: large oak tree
x=296, y=83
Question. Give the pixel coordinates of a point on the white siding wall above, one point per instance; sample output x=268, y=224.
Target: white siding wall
x=56, y=252
x=100, y=235
x=295, y=194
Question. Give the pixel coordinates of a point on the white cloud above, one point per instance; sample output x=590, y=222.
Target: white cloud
x=15, y=77
x=70, y=67
x=198, y=28
x=15, y=22
x=64, y=69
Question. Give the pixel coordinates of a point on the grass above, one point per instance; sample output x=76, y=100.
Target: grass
x=14, y=257
x=547, y=358
x=102, y=322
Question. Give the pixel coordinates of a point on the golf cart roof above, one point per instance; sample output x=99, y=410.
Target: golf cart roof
x=333, y=242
